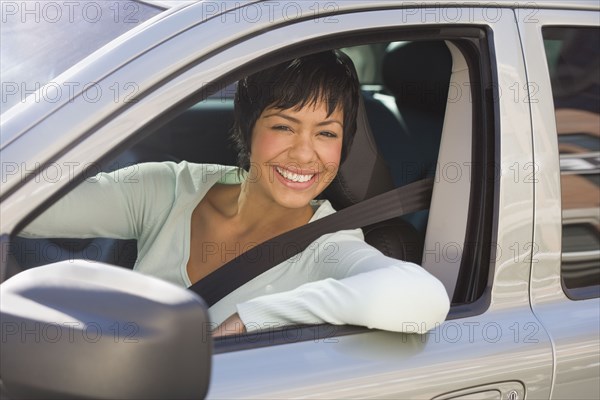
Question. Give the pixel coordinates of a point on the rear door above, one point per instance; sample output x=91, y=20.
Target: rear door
x=562, y=51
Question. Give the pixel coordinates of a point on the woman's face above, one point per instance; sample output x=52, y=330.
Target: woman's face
x=295, y=153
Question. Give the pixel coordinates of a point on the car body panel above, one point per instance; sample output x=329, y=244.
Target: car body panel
x=498, y=347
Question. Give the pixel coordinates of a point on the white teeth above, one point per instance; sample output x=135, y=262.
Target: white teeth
x=293, y=176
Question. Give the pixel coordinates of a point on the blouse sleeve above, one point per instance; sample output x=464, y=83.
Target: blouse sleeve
x=362, y=287
x=116, y=204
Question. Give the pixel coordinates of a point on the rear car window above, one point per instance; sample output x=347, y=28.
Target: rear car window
x=573, y=56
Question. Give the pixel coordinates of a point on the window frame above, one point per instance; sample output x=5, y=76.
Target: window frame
x=479, y=286
x=450, y=32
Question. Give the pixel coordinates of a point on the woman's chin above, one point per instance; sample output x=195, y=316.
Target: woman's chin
x=294, y=201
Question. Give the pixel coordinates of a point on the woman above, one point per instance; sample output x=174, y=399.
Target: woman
x=293, y=125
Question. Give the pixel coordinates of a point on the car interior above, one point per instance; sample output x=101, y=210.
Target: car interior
x=415, y=121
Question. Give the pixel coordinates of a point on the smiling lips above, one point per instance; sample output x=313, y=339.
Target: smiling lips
x=294, y=179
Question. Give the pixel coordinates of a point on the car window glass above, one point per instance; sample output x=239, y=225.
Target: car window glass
x=573, y=56
x=40, y=40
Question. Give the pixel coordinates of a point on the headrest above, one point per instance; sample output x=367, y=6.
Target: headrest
x=364, y=173
x=418, y=73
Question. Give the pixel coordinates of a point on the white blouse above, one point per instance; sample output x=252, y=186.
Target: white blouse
x=338, y=279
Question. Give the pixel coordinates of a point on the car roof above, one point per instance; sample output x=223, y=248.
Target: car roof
x=166, y=4
x=562, y=4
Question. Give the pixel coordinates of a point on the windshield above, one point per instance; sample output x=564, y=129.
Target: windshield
x=42, y=39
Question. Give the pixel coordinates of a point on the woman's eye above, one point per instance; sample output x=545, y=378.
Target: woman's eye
x=328, y=134
x=281, y=128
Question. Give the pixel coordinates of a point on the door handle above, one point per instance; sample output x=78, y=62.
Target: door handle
x=510, y=390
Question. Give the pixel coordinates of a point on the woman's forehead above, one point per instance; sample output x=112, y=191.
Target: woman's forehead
x=319, y=107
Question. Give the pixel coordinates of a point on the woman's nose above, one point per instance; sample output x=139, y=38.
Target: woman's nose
x=302, y=150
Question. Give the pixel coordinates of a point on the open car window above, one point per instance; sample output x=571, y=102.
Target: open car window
x=421, y=96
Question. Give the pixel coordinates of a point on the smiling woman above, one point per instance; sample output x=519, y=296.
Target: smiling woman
x=294, y=124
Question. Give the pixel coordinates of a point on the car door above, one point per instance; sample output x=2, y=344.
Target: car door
x=489, y=347
x=566, y=119
x=492, y=344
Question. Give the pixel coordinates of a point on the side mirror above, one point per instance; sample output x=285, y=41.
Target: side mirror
x=90, y=330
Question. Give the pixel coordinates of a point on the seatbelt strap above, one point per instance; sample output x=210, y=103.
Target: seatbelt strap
x=413, y=197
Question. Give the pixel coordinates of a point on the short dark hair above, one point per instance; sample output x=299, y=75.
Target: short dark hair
x=328, y=76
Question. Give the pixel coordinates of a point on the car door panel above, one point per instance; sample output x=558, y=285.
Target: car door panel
x=467, y=353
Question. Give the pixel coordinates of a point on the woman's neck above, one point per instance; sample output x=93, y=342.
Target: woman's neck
x=255, y=213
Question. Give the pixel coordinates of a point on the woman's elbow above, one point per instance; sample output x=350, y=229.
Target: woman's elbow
x=436, y=306
x=414, y=305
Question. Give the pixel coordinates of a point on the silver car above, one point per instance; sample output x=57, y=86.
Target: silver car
x=498, y=102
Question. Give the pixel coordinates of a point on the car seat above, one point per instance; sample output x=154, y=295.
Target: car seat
x=417, y=75
x=363, y=175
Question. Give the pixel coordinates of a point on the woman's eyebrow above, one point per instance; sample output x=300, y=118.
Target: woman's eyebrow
x=282, y=115
x=330, y=121
x=297, y=121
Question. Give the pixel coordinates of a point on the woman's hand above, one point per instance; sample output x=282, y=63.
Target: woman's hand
x=231, y=326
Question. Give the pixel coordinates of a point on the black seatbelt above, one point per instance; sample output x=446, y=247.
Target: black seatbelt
x=413, y=197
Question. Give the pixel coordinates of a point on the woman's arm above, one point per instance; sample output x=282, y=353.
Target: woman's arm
x=115, y=204
x=361, y=287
